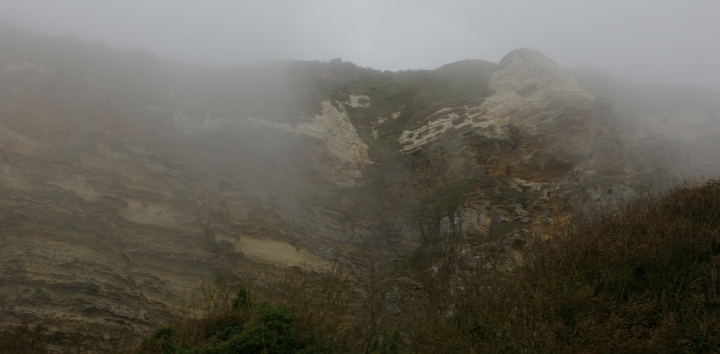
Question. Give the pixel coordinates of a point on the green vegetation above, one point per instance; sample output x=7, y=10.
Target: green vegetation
x=246, y=328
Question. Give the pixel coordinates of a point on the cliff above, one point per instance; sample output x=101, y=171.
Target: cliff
x=127, y=179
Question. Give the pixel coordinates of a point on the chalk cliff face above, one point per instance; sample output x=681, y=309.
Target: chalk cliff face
x=538, y=124
x=528, y=85
x=126, y=179
x=527, y=89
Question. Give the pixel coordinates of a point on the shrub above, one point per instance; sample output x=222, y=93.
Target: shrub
x=246, y=328
x=23, y=338
x=644, y=280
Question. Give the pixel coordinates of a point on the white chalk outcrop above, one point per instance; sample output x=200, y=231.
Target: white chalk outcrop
x=527, y=88
x=332, y=126
x=529, y=84
x=342, y=142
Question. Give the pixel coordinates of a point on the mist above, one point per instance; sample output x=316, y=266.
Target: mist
x=370, y=171
x=667, y=42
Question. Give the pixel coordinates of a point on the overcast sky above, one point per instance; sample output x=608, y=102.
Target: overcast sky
x=663, y=41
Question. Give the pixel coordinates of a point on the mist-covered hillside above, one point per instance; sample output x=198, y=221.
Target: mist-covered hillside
x=128, y=180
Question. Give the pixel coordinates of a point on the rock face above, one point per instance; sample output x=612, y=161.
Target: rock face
x=127, y=180
x=348, y=151
x=529, y=85
x=331, y=128
x=539, y=124
x=529, y=89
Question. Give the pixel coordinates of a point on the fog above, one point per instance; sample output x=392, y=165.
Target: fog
x=135, y=188
x=657, y=41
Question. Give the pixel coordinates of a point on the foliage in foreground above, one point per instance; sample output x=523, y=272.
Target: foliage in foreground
x=645, y=280
x=302, y=314
x=245, y=329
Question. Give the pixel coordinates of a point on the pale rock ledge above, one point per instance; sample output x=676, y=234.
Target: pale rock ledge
x=332, y=126
x=527, y=86
x=341, y=140
x=530, y=84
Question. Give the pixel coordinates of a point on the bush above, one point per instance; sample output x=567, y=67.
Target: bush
x=272, y=332
x=23, y=338
x=246, y=328
x=644, y=280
